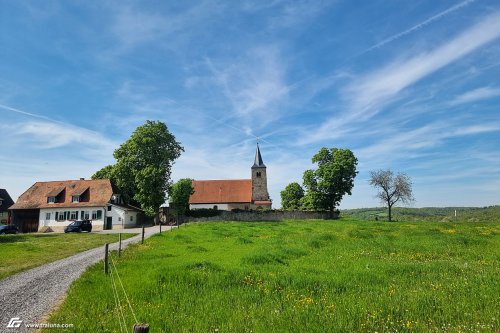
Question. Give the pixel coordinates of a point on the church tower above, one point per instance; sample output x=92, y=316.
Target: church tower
x=259, y=180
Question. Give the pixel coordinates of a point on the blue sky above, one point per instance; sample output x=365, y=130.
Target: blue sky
x=409, y=85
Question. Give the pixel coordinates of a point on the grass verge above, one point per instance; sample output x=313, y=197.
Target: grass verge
x=300, y=276
x=24, y=251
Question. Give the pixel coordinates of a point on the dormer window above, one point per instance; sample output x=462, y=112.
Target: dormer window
x=51, y=200
x=75, y=198
x=115, y=199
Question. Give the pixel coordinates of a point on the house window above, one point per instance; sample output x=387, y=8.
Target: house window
x=47, y=216
x=51, y=200
x=86, y=215
x=75, y=198
x=119, y=219
x=94, y=215
x=74, y=215
x=1, y=202
x=99, y=215
x=131, y=218
x=215, y=207
x=109, y=208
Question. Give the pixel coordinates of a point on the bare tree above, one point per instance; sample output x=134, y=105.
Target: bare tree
x=392, y=189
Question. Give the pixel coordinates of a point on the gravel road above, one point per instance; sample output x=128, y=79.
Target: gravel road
x=31, y=295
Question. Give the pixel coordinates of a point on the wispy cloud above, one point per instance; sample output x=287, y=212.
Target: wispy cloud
x=51, y=133
x=133, y=26
x=367, y=95
x=254, y=86
x=476, y=95
x=48, y=135
x=406, y=143
x=418, y=26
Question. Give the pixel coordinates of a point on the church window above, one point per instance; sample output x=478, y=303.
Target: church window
x=258, y=174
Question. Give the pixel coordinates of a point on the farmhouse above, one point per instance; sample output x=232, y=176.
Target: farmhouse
x=5, y=202
x=56, y=204
x=234, y=194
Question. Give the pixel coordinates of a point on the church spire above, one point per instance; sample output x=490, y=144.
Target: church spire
x=258, y=163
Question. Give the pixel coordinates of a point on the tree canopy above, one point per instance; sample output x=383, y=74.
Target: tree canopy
x=179, y=195
x=333, y=178
x=104, y=173
x=143, y=166
x=392, y=189
x=291, y=196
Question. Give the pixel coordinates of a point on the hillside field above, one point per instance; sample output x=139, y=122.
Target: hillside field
x=433, y=214
x=300, y=276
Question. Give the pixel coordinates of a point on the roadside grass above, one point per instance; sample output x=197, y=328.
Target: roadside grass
x=21, y=252
x=300, y=276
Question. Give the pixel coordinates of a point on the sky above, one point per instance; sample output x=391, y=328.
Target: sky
x=411, y=86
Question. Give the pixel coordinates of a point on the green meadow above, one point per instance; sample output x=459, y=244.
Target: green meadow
x=300, y=276
x=24, y=251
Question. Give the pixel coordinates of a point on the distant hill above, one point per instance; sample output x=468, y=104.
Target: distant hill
x=444, y=214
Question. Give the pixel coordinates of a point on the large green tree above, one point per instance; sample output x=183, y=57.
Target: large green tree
x=179, y=195
x=291, y=196
x=104, y=173
x=143, y=165
x=333, y=178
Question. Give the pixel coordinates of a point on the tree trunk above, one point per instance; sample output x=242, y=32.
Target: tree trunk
x=390, y=213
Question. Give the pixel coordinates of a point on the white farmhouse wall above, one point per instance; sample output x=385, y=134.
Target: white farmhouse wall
x=209, y=206
x=228, y=207
x=122, y=217
x=58, y=225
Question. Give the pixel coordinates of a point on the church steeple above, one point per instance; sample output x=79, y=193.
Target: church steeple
x=259, y=180
x=258, y=163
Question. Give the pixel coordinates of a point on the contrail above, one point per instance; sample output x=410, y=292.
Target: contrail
x=417, y=27
x=5, y=107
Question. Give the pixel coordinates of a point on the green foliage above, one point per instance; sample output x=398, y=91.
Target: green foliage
x=105, y=173
x=143, y=165
x=300, y=276
x=179, y=195
x=334, y=177
x=291, y=196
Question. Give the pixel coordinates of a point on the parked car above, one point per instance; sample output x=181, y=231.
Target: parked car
x=79, y=226
x=8, y=229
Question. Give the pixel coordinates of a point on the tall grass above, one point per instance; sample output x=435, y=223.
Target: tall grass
x=302, y=276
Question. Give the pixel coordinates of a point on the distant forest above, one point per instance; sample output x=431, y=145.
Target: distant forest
x=444, y=214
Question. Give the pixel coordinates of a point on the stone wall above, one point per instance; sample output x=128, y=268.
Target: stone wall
x=272, y=215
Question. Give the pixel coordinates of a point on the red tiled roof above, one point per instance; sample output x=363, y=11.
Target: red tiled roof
x=99, y=194
x=221, y=191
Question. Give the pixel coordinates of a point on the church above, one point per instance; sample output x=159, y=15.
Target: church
x=245, y=194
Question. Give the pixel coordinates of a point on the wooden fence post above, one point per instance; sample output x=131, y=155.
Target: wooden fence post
x=106, y=264
x=119, y=244
x=141, y=328
x=160, y=227
x=142, y=234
